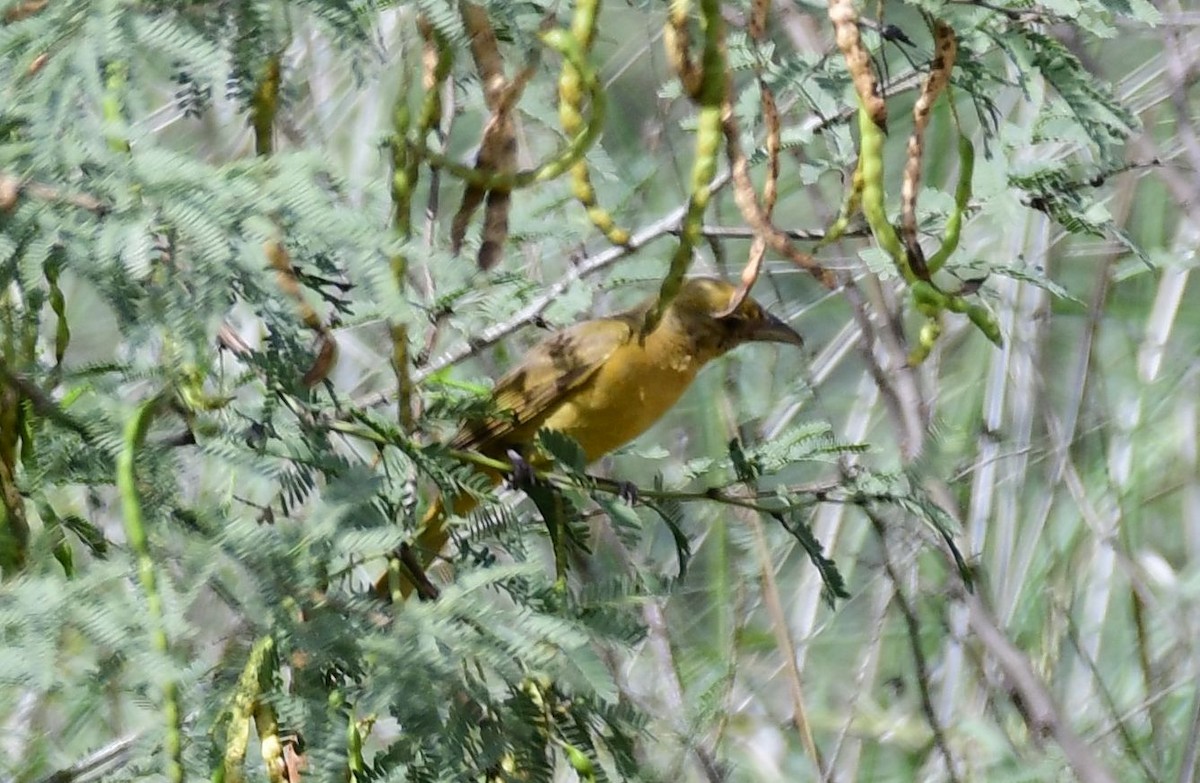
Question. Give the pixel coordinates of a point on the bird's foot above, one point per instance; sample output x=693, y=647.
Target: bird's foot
x=628, y=491
x=522, y=475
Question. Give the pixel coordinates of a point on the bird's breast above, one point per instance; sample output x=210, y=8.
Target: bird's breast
x=630, y=391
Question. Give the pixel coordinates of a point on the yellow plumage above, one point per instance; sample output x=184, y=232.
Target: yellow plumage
x=602, y=383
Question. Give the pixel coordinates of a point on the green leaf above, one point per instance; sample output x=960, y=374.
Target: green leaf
x=833, y=585
x=563, y=449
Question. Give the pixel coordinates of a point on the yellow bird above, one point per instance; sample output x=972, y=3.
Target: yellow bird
x=603, y=384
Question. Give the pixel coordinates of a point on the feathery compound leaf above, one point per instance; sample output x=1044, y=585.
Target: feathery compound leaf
x=833, y=585
x=1101, y=115
x=564, y=449
x=671, y=512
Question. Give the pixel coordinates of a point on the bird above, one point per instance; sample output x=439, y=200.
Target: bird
x=603, y=383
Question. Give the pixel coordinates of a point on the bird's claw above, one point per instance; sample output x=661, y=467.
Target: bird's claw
x=628, y=491
x=522, y=472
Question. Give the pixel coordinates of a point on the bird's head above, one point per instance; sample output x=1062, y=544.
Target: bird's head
x=700, y=308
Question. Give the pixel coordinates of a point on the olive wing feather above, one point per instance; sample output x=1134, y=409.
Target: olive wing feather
x=525, y=396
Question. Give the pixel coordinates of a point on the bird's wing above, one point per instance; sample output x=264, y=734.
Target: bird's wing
x=547, y=374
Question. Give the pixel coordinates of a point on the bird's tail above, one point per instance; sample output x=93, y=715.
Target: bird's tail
x=431, y=539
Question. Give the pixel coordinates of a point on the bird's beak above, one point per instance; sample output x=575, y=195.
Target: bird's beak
x=772, y=330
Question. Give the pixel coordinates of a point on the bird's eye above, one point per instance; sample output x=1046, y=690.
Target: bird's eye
x=734, y=323
x=736, y=317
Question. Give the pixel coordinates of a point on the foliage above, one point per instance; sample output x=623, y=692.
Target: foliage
x=254, y=258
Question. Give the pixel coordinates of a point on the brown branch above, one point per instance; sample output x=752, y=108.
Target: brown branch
x=858, y=60
x=913, y=626
x=12, y=188
x=1032, y=698
x=946, y=50
x=770, y=114
x=770, y=593
x=23, y=9
x=753, y=212
x=426, y=590
x=285, y=275
x=14, y=525
x=43, y=404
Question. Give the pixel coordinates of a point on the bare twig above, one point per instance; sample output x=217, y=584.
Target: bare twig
x=913, y=626
x=92, y=766
x=44, y=405
x=1177, y=74
x=660, y=644
x=1191, y=755
x=897, y=382
x=784, y=640
x=1121, y=723
x=12, y=188
x=745, y=232
x=1033, y=699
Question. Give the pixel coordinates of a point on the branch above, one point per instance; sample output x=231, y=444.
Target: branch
x=43, y=405
x=787, y=648
x=1033, y=699
x=913, y=627
x=746, y=232
x=827, y=491
x=660, y=646
x=12, y=188
x=664, y=226
x=116, y=752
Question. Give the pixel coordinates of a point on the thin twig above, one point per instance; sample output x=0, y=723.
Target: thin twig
x=745, y=232
x=116, y=752
x=43, y=405
x=660, y=645
x=784, y=640
x=12, y=188
x=898, y=383
x=589, y=266
x=1177, y=76
x=868, y=666
x=1191, y=754
x=1121, y=724
x=1032, y=698
x=914, y=638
